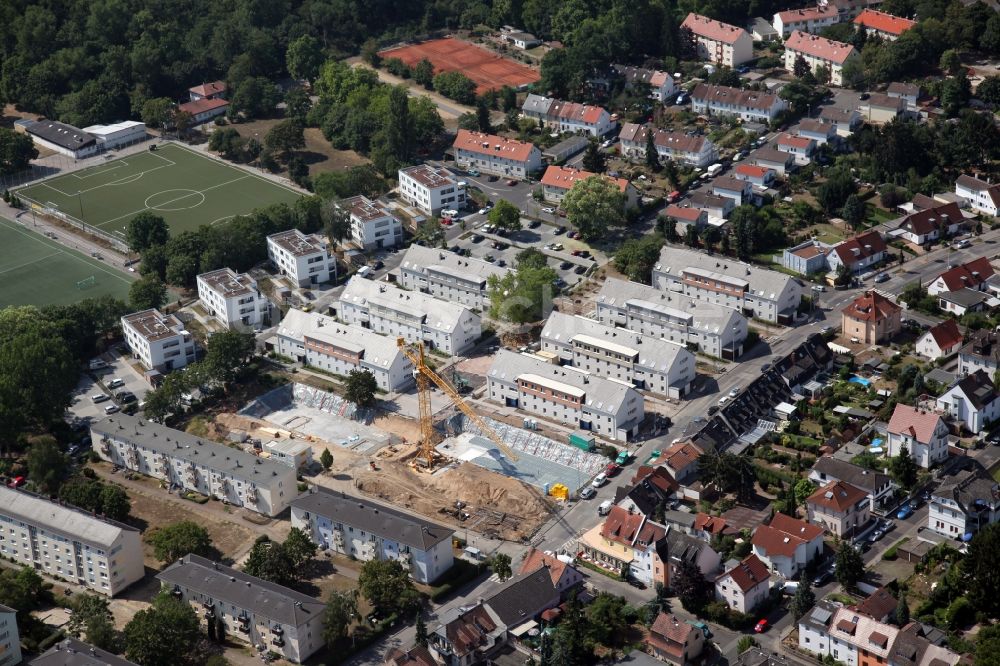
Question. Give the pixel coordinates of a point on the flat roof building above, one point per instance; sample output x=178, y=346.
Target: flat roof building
x=159, y=341
x=195, y=464
x=305, y=258
x=233, y=299
x=431, y=189
x=362, y=528
x=373, y=226
x=62, y=541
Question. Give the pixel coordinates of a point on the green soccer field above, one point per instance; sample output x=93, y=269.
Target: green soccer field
x=37, y=271
x=184, y=187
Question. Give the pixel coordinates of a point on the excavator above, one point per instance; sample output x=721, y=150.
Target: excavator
x=429, y=456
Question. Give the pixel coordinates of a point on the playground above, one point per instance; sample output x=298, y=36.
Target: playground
x=487, y=69
x=35, y=270
x=186, y=188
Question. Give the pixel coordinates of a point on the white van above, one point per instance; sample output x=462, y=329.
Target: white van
x=364, y=271
x=605, y=508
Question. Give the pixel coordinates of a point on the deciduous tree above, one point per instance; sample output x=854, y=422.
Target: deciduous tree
x=304, y=58
x=164, y=634
x=850, y=565
x=593, y=158
x=505, y=215
x=593, y=205
x=690, y=585
x=285, y=137
x=387, y=587
x=500, y=565
x=47, y=464
x=981, y=571
x=146, y=230
x=341, y=609
x=147, y=293
x=16, y=151
x=174, y=541
x=360, y=387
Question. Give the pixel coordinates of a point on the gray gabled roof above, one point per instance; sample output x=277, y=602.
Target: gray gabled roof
x=850, y=473
x=434, y=312
x=536, y=104
x=6, y=609
x=61, y=134
x=763, y=282
x=61, y=518
x=420, y=259
x=375, y=517
x=702, y=316
x=71, y=652
x=524, y=597
x=224, y=584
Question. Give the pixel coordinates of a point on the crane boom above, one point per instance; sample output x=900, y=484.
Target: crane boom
x=425, y=374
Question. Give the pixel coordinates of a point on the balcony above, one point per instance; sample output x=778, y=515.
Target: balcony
x=105, y=448
x=252, y=494
x=278, y=641
x=244, y=624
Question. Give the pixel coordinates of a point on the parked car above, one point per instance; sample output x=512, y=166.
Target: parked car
x=612, y=469
x=599, y=480
x=637, y=584
x=733, y=392
x=819, y=288
x=477, y=238
x=111, y=409
x=761, y=626
x=116, y=382
x=822, y=577
x=473, y=172
x=549, y=210
x=98, y=364
x=17, y=482
x=125, y=397
x=882, y=277
x=580, y=270
x=559, y=231
x=566, y=265
x=100, y=397
x=534, y=224
x=587, y=492
x=511, y=182
x=904, y=512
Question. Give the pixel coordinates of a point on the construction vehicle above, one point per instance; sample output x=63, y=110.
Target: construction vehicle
x=428, y=436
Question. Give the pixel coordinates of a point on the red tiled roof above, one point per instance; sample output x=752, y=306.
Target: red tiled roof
x=752, y=170
x=622, y=525
x=685, y=213
x=808, y=252
x=207, y=89
x=417, y=655
x=819, y=47
x=581, y=113
x=565, y=178
x=786, y=139
x=672, y=628
x=749, y=573
x=635, y=133
x=680, y=455
x=878, y=605
x=911, y=421
x=925, y=221
x=796, y=527
x=660, y=478
x=536, y=559
x=860, y=247
x=490, y=144
x=202, y=105
x=837, y=495
x=712, y=524
x=712, y=29
x=887, y=23
x=807, y=14
x=468, y=631
x=775, y=542
x=871, y=306
x=970, y=274
x=946, y=334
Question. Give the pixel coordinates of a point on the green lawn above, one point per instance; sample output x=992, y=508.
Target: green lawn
x=37, y=271
x=188, y=189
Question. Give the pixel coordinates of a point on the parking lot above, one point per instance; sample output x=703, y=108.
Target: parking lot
x=85, y=410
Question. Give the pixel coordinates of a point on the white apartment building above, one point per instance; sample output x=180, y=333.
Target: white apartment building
x=749, y=105
x=304, y=258
x=62, y=541
x=718, y=42
x=818, y=52
x=72, y=652
x=648, y=363
x=922, y=432
x=193, y=464
x=607, y=407
x=362, y=528
x=158, y=340
x=695, y=151
x=712, y=329
x=810, y=19
x=10, y=639
x=567, y=116
x=417, y=317
x=327, y=344
x=431, y=189
x=252, y=610
x=234, y=299
x=982, y=195
x=757, y=292
x=559, y=180
x=448, y=276
x=373, y=225
x=496, y=155
x=965, y=503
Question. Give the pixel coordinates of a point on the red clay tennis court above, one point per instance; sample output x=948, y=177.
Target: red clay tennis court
x=487, y=69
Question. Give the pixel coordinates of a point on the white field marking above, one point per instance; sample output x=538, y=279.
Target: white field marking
x=221, y=219
x=44, y=241
x=160, y=207
x=239, y=170
x=120, y=217
x=98, y=170
x=28, y=263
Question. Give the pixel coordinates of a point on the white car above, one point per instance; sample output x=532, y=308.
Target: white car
x=599, y=480
x=733, y=392
x=548, y=210
x=449, y=212
x=100, y=397
x=111, y=409
x=116, y=382
x=818, y=287
x=483, y=211
x=723, y=400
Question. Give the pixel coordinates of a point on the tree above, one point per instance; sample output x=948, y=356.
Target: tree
x=304, y=58
x=853, y=211
x=421, y=631
x=524, y=294
x=593, y=205
x=326, y=459
x=360, y=387
x=47, y=464
x=902, y=613
x=146, y=230
x=743, y=223
x=800, y=68
x=904, y=469
x=147, y=293
x=505, y=215
x=92, y=621
x=670, y=229
x=951, y=62
x=483, y=116
x=163, y=634
x=691, y=587
x=336, y=221
x=299, y=547
x=711, y=236
x=652, y=156
x=803, y=600
x=174, y=541
x=227, y=142
x=341, y=609
x=606, y=619
x=456, y=86
x=16, y=151
x=254, y=97
x=24, y=590
x=803, y=489
x=285, y=137
x=850, y=566
x=387, y=587
x=423, y=73
x=500, y=565
x=593, y=158
x=691, y=235
x=157, y=111
x=637, y=256
x=833, y=193
x=369, y=52
x=988, y=90
x=745, y=643
x=228, y=354
x=981, y=571
x=955, y=94
x=114, y=503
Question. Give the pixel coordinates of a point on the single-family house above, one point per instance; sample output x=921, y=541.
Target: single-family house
x=879, y=605
x=908, y=92
x=712, y=204
x=964, y=503
x=806, y=258
x=964, y=300
x=943, y=339
x=880, y=108
x=651, y=488
x=744, y=587
x=660, y=84
x=707, y=527
x=730, y=187
x=675, y=641
x=816, y=130
x=761, y=176
x=466, y=636
x=564, y=575
x=871, y=319
x=716, y=41
x=418, y=655
x=847, y=121
x=799, y=146
x=970, y=275
x=840, y=508
x=923, y=433
x=931, y=224
x=884, y=25
x=686, y=215
x=859, y=254
x=878, y=486
x=681, y=460
x=982, y=195
x=780, y=162
x=818, y=52
x=973, y=402
x=981, y=351
x=787, y=544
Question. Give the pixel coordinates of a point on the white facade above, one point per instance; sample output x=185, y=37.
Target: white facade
x=361, y=528
x=63, y=139
x=496, y=155
x=61, y=541
x=972, y=402
x=159, y=341
x=10, y=639
x=713, y=329
x=744, y=587
x=325, y=343
x=417, y=317
x=695, y=151
x=304, y=258
x=982, y=196
x=190, y=463
x=233, y=298
x=648, y=363
x=252, y=610
x=566, y=395
x=431, y=189
x=749, y=105
x=768, y=295
x=112, y=136
x=923, y=433
x=818, y=52
x=567, y=116
x=811, y=19
x=964, y=503
x=448, y=276
x=718, y=42
x=373, y=226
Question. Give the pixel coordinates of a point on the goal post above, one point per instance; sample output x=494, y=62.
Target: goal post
x=86, y=283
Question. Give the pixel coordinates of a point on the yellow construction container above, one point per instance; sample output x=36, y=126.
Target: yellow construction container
x=560, y=492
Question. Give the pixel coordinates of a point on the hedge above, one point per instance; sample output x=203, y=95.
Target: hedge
x=461, y=572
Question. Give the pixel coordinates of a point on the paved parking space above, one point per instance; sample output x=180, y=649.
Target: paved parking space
x=83, y=406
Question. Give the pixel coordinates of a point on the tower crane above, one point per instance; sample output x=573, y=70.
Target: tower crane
x=425, y=377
